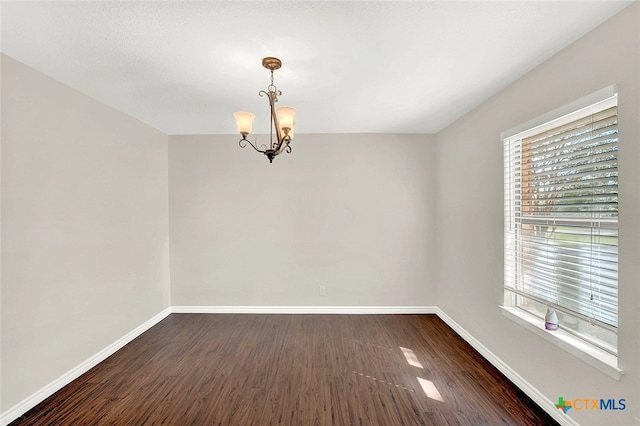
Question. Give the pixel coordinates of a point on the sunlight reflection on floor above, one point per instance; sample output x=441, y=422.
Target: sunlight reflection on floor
x=430, y=389
x=411, y=357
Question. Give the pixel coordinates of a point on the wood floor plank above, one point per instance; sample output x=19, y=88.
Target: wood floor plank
x=234, y=369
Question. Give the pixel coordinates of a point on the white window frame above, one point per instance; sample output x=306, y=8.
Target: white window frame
x=604, y=360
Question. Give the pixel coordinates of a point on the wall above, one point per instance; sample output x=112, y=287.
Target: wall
x=84, y=229
x=353, y=213
x=470, y=217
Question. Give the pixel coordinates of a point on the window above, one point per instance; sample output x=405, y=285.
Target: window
x=561, y=222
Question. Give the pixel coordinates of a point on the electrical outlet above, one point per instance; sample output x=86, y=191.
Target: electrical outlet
x=322, y=290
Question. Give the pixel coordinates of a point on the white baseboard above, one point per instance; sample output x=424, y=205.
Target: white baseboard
x=30, y=402
x=303, y=310
x=545, y=403
x=35, y=399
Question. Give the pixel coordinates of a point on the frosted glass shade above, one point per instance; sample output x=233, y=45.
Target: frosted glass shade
x=286, y=118
x=244, y=120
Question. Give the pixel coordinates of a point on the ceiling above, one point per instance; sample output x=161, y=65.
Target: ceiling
x=348, y=67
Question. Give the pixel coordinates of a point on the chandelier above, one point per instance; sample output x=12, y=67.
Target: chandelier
x=282, y=119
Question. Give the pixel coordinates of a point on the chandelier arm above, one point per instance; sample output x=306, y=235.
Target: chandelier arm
x=250, y=143
x=273, y=98
x=284, y=145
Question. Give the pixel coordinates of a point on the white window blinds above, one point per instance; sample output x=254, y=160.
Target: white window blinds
x=561, y=216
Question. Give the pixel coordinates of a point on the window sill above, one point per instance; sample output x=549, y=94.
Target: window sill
x=596, y=357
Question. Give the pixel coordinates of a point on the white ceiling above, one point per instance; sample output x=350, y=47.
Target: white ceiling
x=365, y=67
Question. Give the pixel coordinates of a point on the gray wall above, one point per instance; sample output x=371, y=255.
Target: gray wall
x=84, y=230
x=470, y=216
x=354, y=213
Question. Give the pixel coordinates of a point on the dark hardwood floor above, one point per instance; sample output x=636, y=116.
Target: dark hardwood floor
x=233, y=369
